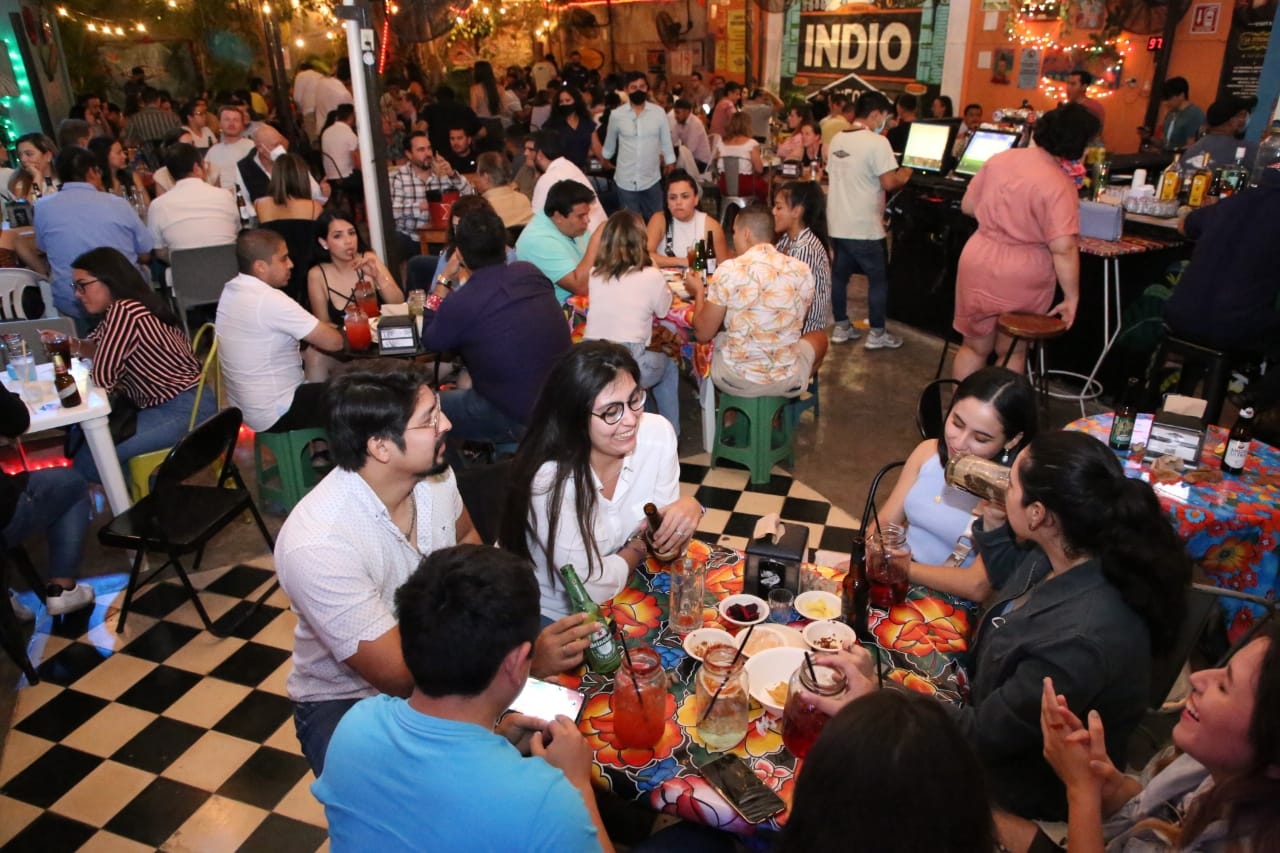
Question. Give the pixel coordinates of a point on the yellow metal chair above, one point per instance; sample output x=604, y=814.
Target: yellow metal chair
x=142, y=466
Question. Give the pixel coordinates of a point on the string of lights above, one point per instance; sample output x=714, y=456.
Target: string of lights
x=1041, y=23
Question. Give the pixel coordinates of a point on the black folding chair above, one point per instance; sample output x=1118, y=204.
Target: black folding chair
x=179, y=518
x=483, y=489
x=931, y=410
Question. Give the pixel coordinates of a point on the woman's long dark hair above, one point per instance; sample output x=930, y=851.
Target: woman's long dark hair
x=560, y=114
x=559, y=432
x=101, y=147
x=1114, y=518
x=320, y=254
x=812, y=201
x=124, y=281
x=1010, y=394
x=883, y=762
x=1249, y=802
x=483, y=72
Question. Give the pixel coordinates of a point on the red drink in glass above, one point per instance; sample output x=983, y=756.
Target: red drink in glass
x=359, y=335
x=888, y=559
x=639, y=699
x=802, y=722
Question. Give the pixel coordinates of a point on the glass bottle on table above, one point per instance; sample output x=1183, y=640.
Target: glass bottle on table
x=654, y=517
x=1237, y=450
x=709, y=262
x=639, y=700
x=1126, y=415
x=802, y=722
x=64, y=383
x=723, y=724
x=855, y=591
x=603, y=655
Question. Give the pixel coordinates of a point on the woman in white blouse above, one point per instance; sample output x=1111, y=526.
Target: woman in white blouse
x=590, y=461
x=674, y=230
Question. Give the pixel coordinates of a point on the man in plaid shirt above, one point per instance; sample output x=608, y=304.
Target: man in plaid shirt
x=425, y=172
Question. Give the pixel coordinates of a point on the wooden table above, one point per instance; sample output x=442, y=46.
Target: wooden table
x=428, y=237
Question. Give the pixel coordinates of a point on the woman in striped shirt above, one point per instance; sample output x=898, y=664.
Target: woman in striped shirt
x=138, y=350
x=800, y=215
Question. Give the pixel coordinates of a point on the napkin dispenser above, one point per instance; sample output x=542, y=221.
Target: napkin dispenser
x=1174, y=434
x=774, y=555
x=1101, y=221
x=397, y=333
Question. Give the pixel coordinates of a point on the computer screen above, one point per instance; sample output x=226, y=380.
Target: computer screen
x=927, y=146
x=983, y=145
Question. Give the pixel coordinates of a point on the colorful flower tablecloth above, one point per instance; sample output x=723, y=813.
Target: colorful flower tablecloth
x=672, y=335
x=1232, y=528
x=919, y=643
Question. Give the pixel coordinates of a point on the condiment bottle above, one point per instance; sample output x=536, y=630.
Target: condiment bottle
x=1237, y=450
x=603, y=655
x=725, y=724
x=640, y=699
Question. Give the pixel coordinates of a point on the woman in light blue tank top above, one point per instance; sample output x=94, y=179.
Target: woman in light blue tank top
x=992, y=415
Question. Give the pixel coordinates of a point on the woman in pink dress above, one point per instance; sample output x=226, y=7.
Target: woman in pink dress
x=1028, y=214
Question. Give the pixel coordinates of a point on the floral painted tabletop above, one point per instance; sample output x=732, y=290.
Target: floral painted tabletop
x=1232, y=528
x=921, y=643
x=672, y=335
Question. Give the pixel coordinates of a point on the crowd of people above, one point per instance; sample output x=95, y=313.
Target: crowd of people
x=551, y=185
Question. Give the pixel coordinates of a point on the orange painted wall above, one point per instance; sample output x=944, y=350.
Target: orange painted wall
x=1198, y=58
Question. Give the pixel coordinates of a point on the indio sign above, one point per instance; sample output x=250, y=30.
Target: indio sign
x=875, y=44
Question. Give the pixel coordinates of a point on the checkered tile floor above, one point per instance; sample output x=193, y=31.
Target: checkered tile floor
x=167, y=737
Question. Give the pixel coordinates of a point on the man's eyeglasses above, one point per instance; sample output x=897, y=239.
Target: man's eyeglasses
x=433, y=420
x=83, y=284
x=612, y=413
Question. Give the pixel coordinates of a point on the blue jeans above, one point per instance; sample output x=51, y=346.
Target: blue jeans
x=56, y=500
x=658, y=372
x=159, y=428
x=476, y=419
x=314, y=723
x=869, y=258
x=645, y=202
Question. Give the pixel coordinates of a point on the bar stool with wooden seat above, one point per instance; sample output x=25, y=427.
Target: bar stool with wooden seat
x=1035, y=329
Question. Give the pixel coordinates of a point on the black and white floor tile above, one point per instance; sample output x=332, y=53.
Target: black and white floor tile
x=166, y=737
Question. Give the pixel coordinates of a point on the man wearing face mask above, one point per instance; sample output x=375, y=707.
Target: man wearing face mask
x=862, y=168
x=640, y=139
x=254, y=169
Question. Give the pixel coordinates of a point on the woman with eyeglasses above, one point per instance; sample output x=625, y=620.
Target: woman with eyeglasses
x=589, y=462
x=139, y=351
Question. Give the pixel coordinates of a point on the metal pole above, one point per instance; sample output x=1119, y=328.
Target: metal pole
x=362, y=53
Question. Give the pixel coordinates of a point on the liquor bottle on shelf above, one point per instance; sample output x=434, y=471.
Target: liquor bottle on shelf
x=603, y=655
x=1237, y=450
x=1235, y=177
x=1170, y=180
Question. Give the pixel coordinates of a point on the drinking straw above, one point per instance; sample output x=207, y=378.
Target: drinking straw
x=808, y=661
x=626, y=652
x=733, y=663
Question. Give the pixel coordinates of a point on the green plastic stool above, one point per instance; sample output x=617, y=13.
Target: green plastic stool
x=807, y=400
x=756, y=442
x=285, y=482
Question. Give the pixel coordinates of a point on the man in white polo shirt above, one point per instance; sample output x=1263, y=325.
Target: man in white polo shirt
x=193, y=213
x=259, y=328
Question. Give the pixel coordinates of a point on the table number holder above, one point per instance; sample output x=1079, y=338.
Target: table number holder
x=773, y=556
x=397, y=333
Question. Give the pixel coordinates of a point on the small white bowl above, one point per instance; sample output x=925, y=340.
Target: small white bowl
x=829, y=636
x=818, y=605
x=762, y=609
x=696, y=642
x=767, y=669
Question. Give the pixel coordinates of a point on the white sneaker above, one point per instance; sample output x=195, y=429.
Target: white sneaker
x=22, y=611
x=844, y=332
x=68, y=600
x=882, y=340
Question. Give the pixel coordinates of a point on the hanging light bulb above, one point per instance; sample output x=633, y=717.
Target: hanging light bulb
x=62, y=12
x=299, y=43
x=173, y=4
x=92, y=28
x=142, y=28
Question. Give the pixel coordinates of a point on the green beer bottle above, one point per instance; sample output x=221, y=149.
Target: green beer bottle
x=603, y=655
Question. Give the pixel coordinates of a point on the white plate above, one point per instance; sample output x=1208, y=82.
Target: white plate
x=762, y=608
x=770, y=636
x=766, y=669
x=700, y=640
x=818, y=605
x=815, y=632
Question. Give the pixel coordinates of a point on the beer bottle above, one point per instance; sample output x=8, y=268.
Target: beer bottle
x=855, y=592
x=65, y=383
x=603, y=655
x=710, y=261
x=1126, y=414
x=655, y=521
x=1233, y=458
x=699, y=257
x=240, y=205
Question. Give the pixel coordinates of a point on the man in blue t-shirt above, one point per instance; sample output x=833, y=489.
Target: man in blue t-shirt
x=433, y=772
x=556, y=241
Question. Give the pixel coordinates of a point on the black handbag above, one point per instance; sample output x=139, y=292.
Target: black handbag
x=122, y=423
